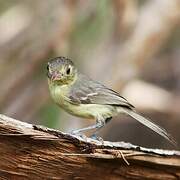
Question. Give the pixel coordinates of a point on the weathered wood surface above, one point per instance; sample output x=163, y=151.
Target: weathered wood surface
x=35, y=152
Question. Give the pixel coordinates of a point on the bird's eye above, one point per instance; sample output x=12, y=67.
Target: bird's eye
x=48, y=67
x=68, y=71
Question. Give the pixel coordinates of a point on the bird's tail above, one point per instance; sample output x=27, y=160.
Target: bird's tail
x=151, y=125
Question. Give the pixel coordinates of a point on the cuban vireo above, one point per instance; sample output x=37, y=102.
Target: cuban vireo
x=81, y=96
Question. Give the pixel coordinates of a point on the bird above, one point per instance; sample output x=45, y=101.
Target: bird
x=81, y=96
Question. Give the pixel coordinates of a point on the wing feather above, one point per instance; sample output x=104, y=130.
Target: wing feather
x=87, y=91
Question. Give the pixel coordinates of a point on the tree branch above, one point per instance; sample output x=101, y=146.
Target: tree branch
x=35, y=152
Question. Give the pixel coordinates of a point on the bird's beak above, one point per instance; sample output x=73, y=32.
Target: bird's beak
x=55, y=76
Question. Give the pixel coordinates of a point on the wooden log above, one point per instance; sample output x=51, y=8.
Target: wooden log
x=34, y=152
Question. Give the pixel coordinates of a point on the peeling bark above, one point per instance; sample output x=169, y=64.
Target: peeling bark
x=34, y=152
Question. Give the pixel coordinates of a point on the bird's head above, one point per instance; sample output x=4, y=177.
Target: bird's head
x=61, y=70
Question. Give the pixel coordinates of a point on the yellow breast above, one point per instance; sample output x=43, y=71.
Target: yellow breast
x=59, y=93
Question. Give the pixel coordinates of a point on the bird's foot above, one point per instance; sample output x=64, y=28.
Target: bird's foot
x=78, y=134
x=98, y=138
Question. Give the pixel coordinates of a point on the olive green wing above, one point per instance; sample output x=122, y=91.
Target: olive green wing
x=87, y=91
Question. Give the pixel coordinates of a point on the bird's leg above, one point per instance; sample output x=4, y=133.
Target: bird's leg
x=103, y=123
x=98, y=125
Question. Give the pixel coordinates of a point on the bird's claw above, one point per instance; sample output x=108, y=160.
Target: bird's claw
x=98, y=138
x=74, y=132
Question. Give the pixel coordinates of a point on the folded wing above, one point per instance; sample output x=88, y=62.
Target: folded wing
x=87, y=91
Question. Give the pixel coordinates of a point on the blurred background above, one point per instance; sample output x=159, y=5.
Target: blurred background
x=132, y=46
